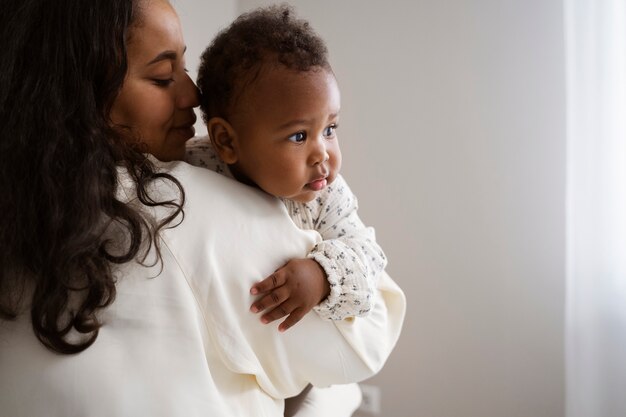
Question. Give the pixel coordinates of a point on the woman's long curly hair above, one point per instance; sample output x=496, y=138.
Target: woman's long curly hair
x=62, y=64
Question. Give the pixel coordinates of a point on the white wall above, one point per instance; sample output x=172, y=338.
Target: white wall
x=201, y=20
x=453, y=136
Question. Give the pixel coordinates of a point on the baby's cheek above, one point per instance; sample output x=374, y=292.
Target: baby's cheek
x=336, y=161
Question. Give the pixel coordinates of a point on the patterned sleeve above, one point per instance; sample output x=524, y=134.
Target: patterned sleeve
x=200, y=152
x=349, y=254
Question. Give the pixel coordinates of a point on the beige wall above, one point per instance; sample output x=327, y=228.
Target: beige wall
x=453, y=135
x=201, y=20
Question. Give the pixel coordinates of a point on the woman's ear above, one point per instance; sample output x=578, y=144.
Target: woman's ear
x=224, y=139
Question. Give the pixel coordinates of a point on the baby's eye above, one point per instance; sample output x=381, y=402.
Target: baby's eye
x=329, y=132
x=297, y=137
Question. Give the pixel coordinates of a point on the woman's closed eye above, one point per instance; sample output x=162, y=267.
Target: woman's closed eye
x=166, y=80
x=298, y=137
x=162, y=82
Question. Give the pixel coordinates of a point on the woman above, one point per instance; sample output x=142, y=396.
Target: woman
x=140, y=266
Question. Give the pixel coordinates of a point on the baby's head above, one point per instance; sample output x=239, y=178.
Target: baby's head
x=271, y=103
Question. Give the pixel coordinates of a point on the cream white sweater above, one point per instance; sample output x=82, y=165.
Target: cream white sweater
x=180, y=341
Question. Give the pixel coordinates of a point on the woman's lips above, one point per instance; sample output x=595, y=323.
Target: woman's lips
x=188, y=131
x=187, y=128
x=317, y=185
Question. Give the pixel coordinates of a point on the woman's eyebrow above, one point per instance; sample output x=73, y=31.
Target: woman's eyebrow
x=163, y=56
x=166, y=55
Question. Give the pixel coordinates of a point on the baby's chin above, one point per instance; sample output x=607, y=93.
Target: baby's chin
x=309, y=192
x=304, y=197
x=308, y=195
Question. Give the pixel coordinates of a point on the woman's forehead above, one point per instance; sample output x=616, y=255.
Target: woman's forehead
x=157, y=33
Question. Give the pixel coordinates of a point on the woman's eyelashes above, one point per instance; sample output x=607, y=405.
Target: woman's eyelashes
x=165, y=80
x=169, y=71
x=162, y=82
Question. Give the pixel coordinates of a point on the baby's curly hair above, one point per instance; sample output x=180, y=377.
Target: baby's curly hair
x=234, y=58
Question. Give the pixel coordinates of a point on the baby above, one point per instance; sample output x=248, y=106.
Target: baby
x=271, y=105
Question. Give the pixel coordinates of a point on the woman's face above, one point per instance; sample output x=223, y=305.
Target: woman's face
x=157, y=97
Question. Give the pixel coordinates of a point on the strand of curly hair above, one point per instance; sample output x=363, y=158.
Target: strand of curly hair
x=62, y=64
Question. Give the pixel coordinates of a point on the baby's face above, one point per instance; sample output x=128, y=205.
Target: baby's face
x=285, y=122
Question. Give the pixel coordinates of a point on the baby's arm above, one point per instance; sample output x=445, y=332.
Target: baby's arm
x=349, y=254
x=341, y=272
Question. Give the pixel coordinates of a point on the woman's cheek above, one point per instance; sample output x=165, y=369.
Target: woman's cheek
x=162, y=111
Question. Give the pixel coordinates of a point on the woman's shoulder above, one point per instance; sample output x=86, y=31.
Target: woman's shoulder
x=210, y=191
x=213, y=203
x=226, y=219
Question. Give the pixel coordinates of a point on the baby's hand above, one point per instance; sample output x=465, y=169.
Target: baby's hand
x=292, y=291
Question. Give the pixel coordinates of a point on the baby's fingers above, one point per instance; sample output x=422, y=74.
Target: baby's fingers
x=274, y=298
x=278, y=312
x=295, y=316
x=273, y=281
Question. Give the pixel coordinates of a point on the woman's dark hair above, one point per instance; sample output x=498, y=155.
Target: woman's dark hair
x=62, y=64
x=265, y=35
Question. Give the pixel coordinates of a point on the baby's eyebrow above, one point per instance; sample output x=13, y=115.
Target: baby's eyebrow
x=291, y=123
x=300, y=122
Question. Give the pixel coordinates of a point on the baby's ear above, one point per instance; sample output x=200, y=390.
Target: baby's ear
x=224, y=139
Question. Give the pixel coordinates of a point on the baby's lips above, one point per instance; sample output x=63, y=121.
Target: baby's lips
x=317, y=185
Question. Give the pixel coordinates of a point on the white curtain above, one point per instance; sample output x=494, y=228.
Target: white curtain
x=596, y=208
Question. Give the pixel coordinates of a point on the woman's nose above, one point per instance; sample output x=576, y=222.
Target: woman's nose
x=189, y=95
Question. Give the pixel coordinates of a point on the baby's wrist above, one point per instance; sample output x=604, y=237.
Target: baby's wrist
x=322, y=279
